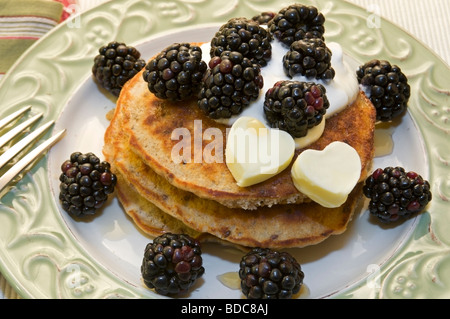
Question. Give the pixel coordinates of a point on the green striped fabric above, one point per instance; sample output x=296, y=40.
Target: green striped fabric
x=22, y=22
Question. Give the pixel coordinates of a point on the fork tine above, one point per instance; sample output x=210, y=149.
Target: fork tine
x=18, y=129
x=8, y=119
x=27, y=159
x=20, y=145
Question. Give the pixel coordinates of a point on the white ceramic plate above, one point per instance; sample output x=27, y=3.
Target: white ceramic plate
x=46, y=253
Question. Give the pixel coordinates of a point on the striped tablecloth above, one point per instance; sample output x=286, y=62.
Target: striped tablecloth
x=428, y=21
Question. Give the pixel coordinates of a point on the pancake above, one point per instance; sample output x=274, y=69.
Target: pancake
x=281, y=226
x=151, y=220
x=149, y=123
x=154, y=222
x=148, y=217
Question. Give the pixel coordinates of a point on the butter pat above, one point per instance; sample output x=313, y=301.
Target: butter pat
x=327, y=176
x=255, y=153
x=313, y=135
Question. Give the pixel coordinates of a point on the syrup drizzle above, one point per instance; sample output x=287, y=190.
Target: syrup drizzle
x=231, y=280
x=383, y=141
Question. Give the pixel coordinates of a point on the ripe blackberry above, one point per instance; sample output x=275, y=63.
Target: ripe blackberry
x=172, y=263
x=386, y=86
x=295, y=106
x=309, y=57
x=115, y=64
x=85, y=184
x=244, y=36
x=176, y=72
x=297, y=22
x=268, y=274
x=395, y=193
x=264, y=17
x=230, y=84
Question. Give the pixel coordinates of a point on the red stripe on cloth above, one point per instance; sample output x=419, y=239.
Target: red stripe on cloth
x=19, y=38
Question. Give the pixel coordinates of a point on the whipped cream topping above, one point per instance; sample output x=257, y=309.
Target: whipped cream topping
x=341, y=91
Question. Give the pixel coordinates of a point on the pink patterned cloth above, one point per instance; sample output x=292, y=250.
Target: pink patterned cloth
x=67, y=8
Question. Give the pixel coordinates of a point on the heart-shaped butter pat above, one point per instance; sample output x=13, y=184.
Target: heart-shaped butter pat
x=327, y=176
x=254, y=153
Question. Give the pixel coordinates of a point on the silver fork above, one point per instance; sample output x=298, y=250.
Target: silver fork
x=20, y=145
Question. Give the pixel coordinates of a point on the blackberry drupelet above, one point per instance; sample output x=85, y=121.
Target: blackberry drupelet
x=295, y=106
x=115, y=64
x=244, y=36
x=309, y=57
x=395, y=193
x=264, y=17
x=176, y=73
x=297, y=22
x=230, y=84
x=268, y=274
x=172, y=263
x=386, y=86
x=85, y=183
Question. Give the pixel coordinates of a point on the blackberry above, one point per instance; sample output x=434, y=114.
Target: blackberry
x=395, y=193
x=386, y=86
x=176, y=73
x=244, y=36
x=297, y=22
x=85, y=183
x=264, y=17
x=230, y=84
x=309, y=57
x=295, y=106
x=172, y=263
x=115, y=64
x=268, y=274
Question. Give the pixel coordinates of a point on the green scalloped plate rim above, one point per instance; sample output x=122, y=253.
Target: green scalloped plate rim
x=56, y=65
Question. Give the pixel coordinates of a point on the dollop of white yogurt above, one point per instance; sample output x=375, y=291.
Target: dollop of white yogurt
x=341, y=91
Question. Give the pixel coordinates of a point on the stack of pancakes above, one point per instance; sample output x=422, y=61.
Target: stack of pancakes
x=201, y=198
